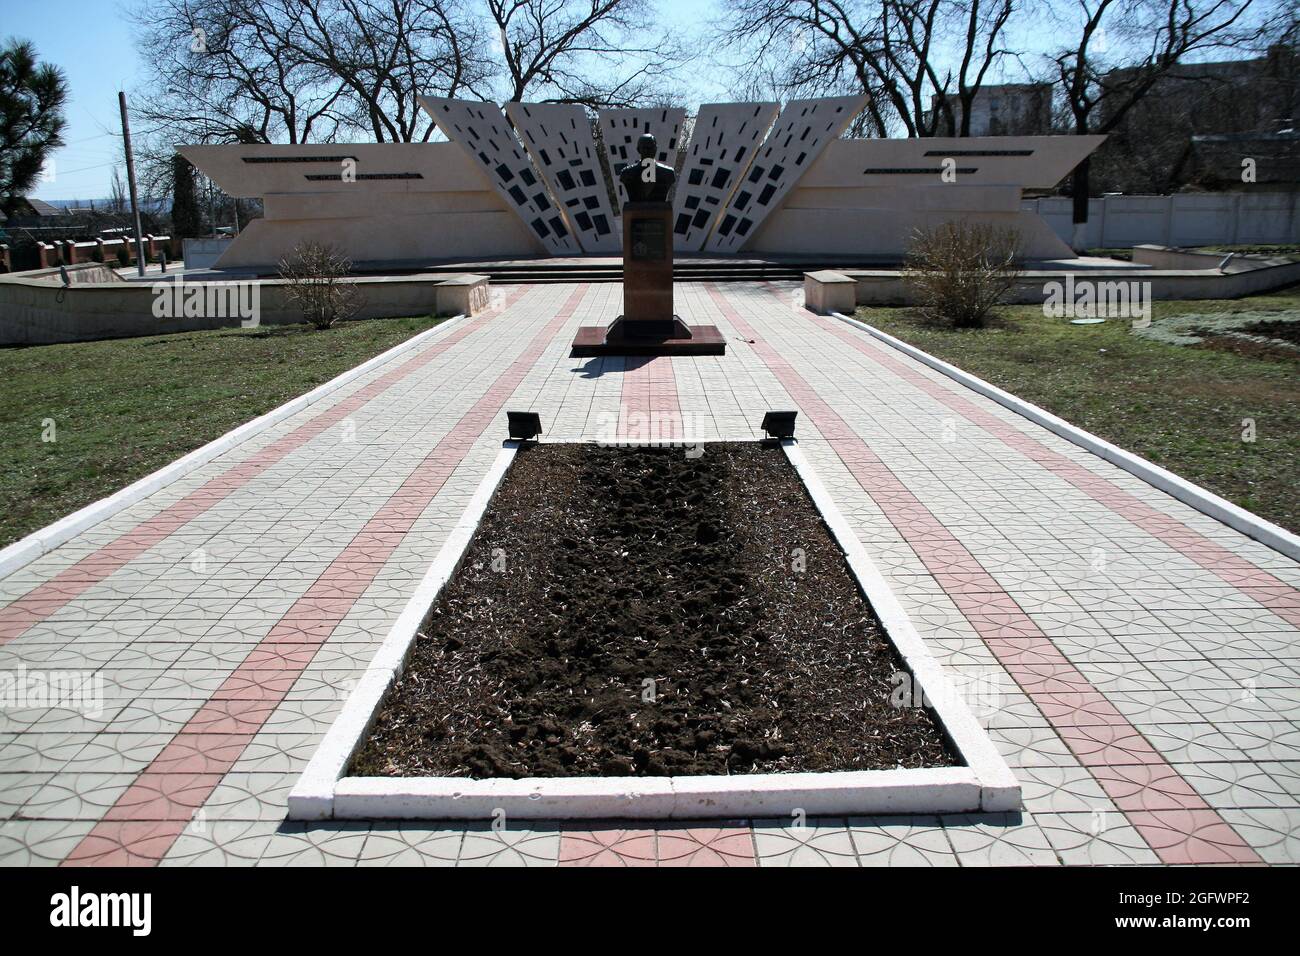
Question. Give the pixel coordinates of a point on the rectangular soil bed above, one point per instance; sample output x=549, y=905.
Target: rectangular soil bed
x=627, y=611
x=652, y=632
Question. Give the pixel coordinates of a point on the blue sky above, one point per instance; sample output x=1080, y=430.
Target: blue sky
x=99, y=58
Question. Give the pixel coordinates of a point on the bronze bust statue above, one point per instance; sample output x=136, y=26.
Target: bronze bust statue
x=647, y=180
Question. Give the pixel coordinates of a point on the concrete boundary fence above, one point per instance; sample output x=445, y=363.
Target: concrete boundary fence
x=1185, y=219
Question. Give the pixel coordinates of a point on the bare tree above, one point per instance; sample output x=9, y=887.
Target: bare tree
x=117, y=198
x=316, y=281
x=922, y=61
x=305, y=70
x=1120, y=49
x=228, y=71
x=387, y=52
x=959, y=272
x=594, y=52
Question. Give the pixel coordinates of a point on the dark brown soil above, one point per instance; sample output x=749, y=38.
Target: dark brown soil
x=1286, y=331
x=1285, y=336
x=636, y=611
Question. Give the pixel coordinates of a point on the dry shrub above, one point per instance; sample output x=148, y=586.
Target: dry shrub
x=961, y=271
x=316, y=276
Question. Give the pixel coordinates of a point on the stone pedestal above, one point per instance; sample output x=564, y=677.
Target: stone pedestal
x=648, y=325
x=826, y=291
x=648, y=270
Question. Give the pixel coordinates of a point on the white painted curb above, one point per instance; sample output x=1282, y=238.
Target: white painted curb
x=938, y=790
x=28, y=549
x=999, y=789
x=1203, y=500
x=984, y=783
x=312, y=797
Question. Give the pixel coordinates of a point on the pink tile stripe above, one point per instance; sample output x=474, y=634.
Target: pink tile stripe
x=1267, y=589
x=1187, y=831
x=46, y=598
x=141, y=826
x=649, y=407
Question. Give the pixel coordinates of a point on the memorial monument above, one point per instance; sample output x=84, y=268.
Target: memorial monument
x=754, y=180
x=648, y=325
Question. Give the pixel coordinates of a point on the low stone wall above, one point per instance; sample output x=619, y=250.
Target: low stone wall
x=88, y=273
x=1244, y=277
x=1167, y=257
x=37, y=309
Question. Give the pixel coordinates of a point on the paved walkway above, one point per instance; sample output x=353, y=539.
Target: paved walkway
x=1145, y=656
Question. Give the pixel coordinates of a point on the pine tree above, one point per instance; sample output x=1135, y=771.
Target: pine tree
x=32, y=96
x=186, y=221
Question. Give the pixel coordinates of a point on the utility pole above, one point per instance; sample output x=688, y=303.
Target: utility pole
x=130, y=178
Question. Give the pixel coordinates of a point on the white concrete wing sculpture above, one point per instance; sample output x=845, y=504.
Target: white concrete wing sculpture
x=539, y=184
x=619, y=130
x=723, y=143
x=558, y=138
x=389, y=203
x=481, y=129
x=866, y=197
x=802, y=131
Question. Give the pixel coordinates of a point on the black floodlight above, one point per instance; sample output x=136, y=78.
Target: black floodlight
x=779, y=424
x=524, y=426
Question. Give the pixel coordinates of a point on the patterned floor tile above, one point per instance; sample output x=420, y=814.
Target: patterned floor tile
x=39, y=842
x=251, y=796
x=128, y=843
x=822, y=842
x=18, y=788
x=77, y=796
x=334, y=844
x=1275, y=834
x=608, y=847
x=484, y=846
x=706, y=846
x=1191, y=836
x=221, y=843
x=901, y=841
x=999, y=839
x=1100, y=838
x=1242, y=785
x=412, y=845
x=1061, y=790
x=1206, y=676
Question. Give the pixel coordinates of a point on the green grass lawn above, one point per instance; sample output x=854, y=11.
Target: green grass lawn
x=1181, y=407
x=125, y=407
